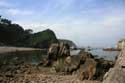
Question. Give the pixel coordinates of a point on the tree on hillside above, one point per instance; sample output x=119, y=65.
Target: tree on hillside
x=15, y=35
x=12, y=34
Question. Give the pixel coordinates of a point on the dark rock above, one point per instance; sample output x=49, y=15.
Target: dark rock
x=57, y=51
x=88, y=69
x=102, y=67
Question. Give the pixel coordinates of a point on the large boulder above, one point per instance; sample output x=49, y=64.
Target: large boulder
x=85, y=55
x=88, y=69
x=102, y=67
x=59, y=65
x=57, y=51
x=72, y=63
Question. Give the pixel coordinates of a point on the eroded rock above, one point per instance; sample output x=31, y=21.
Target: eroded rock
x=88, y=69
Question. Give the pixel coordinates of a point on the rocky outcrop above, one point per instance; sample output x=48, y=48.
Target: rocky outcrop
x=72, y=63
x=11, y=72
x=88, y=69
x=82, y=65
x=57, y=51
x=114, y=75
x=69, y=42
x=117, y=73
x=102, y=67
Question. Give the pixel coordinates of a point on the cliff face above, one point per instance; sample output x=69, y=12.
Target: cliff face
x=43, y=39
x=117, y=74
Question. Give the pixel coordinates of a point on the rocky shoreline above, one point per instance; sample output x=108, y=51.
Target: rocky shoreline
x=31, y=74
x=19, y=72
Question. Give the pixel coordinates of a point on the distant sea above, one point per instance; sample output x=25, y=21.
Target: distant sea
x=99, y=53
x=34, y=57
x=108, y=55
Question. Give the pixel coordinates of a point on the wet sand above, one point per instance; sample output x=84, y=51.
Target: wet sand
x=4, y=49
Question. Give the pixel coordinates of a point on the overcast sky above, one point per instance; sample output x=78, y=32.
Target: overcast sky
x=86, y=22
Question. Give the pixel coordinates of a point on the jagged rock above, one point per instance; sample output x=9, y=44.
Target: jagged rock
x=72, y=63
x=57, y=51
x=103, y=66
x=88, y=69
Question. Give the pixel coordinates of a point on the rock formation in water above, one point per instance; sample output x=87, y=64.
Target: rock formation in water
x=84, y=65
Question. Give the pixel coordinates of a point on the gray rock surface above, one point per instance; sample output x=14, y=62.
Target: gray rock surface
x=117, y=74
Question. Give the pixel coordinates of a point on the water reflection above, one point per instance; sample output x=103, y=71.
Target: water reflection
x=108, y=55
x=99, y=53
x=28, y=57
x=34, y=57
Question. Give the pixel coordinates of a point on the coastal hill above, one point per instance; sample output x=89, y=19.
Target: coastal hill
x=12, y=34
x=43, y=39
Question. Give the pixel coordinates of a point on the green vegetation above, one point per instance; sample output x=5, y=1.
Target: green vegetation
x=43, y=39
x=14, y=35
